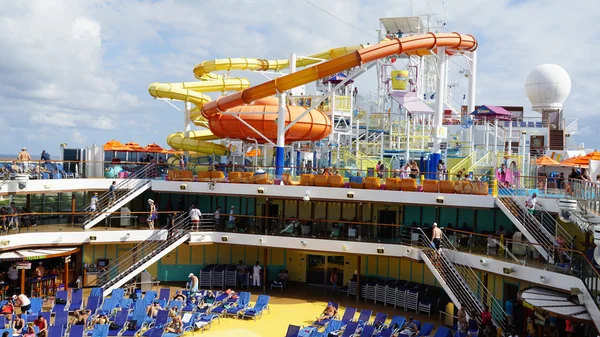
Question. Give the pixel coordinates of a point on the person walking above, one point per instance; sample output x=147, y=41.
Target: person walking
x=94, y=203
x=217, y=216
x=193, y=283
x=242, y=270
x=436, y=236
x=152, y=216
x=112, y=193
x=231, y=222
x=195, y=216
x=256, y=274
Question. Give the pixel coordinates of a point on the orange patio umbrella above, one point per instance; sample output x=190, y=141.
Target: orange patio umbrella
x=585, y=160
x=154, y=148
x=546, y=161
x=173, y=151
x=570, y=162
x=253, y=153
x=134, y=147
x=115, y=145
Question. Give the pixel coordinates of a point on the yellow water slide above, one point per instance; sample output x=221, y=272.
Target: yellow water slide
x=193, y=92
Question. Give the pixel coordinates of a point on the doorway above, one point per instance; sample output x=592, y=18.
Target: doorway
x=320, y=267
x=386, y=232
x=510, y=293
x=270, y=222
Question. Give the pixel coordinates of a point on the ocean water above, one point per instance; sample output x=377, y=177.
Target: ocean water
x=4, y=156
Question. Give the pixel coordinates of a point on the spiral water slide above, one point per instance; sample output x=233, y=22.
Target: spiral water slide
x=199, y=141
x=420, y=45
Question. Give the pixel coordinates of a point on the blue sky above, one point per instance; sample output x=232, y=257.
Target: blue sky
x=78, y=72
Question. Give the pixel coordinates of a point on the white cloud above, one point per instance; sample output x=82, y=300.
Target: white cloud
x=74, y=66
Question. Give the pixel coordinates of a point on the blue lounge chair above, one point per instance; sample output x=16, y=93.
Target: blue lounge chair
x=97, y=292
x=350, y=329
x=387, y=332
x=164, y=294
x=55, y=331
x=100, y=330
x=149, y=296
x=188, y=325
x=126, y=303
x=119, y=320
x=220, y=310
x=443, y=332
x=135, y=322
x=60, y=307
x=333, y=327
x=426, y=330
x=175, y=304
x=367, y=331
x=76, y=300
x=380, y=318
x=162, y=318
x=156, y=332
x=348, y=315
x=240, y=305
x=325, y=321
x=108, y=306
x=262, y=303
x=61, y=319
x=36, y=305
x=93, y=303
x=118, y=294
x=365, y=316
x=292, y=331
x=205, y=321
x=76, y=330
x=3, y=320
x=10, y=332
x=396, y=323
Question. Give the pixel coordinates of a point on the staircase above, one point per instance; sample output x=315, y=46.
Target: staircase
x=125, y=191
x=556, y=140
x=541, y=228
x=143, y=255
x=459, y=281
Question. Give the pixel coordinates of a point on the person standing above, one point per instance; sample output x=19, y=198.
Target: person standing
x=40, y=270
x=531, y=202
x=195, y=216
x=242, y=270
x=217, y=216
x=193, y=283
x=256, y=274
x=231, y=222
x=13, y=275
x=24, y=158
x=436, y=236
x=441, y=170
x=333, y=279
x=94, y=203
x=112, y=193
x=152, y=216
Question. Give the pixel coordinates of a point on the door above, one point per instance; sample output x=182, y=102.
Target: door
x=386, y=233
x=335, y=263
x=270, y=222
x=510, y=293
x=316, y=270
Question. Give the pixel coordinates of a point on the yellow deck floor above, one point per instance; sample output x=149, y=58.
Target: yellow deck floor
x=297, y=306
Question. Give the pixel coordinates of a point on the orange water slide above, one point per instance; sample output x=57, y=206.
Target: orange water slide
x=412, y=45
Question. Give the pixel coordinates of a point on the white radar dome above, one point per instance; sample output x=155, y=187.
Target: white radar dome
x=547, y=87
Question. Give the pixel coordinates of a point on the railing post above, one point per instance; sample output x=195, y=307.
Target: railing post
x=494, y=187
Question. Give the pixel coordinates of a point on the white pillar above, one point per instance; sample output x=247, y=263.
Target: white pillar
x=357, y=136
x=495, y=159
x=471, y=96
x=187, y=123
x=523, y=141
x=422, y=132
x=487, y=135
x=279, y=151
x=509, y=138
x=294, y=91
x=407, y=121
x=436, y=155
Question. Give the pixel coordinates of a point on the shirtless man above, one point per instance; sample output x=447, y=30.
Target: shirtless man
x=24, y=158
x=81, y=316
x=153, y=310
x=179, y=296
x=436, y=236
x=329, y=312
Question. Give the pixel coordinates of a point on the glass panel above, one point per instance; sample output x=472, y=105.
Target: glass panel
x=315, y=270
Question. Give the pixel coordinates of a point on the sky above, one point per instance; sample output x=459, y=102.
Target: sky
x=77, y=72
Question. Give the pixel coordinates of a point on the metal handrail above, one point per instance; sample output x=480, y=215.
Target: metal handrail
x=103, y=203
x=547, y=224
x=468, y=275
x=151, y=242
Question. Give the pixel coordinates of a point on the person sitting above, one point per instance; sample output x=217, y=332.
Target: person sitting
x=42, y=325
x=102, y=319
x=30, y=332
x=329, y=312
x=207, y=301
x=153, y=309
x=18, y=325
x=174, y=312
x=176, y=325
x=281, y=277
x=81, y=316
x=410, y=327
x=179, y=296
x=7, y=309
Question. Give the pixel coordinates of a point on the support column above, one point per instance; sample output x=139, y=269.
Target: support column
x=358, y=267
x=28, y=201
x=472, y=92
x=280, y=149
x=264, y=275
x=187, y=123
x=22, y=281
x=72, y=209
x=509, y=149
x=66, y=279
x=436, y=153
x=495, y=159
x=407, y=121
